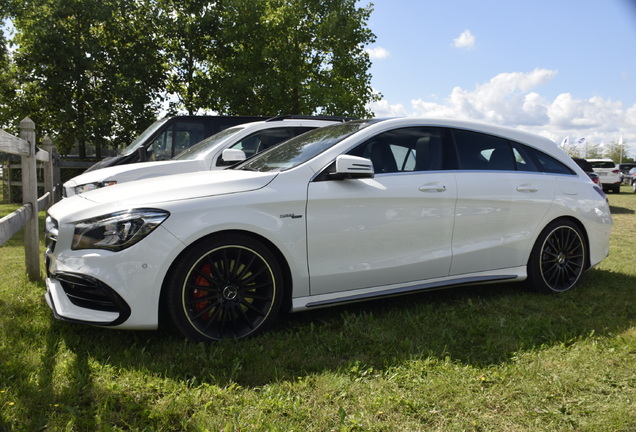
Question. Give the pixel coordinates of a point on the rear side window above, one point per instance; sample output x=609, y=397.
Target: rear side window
x=478, y=151
x=548, y=164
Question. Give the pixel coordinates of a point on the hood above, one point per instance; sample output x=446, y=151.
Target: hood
x=136, y=171
x=156, y=191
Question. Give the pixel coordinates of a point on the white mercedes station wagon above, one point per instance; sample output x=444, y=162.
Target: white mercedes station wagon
x=344, y=213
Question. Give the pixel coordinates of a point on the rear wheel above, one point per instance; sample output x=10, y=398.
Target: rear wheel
x=558, y=258
x=224, y=287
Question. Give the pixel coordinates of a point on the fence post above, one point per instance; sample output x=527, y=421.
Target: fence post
x=30, y=197
x=47, y=169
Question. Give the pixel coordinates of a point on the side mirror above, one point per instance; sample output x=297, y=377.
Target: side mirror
x=350, y=167
x=232, y=156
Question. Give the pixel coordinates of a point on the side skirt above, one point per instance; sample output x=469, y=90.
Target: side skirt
x=325, y=300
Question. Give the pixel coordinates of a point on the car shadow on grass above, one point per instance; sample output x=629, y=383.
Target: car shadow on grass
x=476, y=325
x=620, y=210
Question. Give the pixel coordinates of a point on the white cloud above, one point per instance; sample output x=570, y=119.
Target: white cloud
x=464, y=40
x=378, y=53
x=512, y=99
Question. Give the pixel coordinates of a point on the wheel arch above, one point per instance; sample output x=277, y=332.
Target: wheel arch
x=583, y=230
x=284, y=266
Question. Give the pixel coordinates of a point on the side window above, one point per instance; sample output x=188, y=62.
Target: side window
x=186, y=134
x=403, y=150
x=302, y=130
x=263, y=139
x=176, y=138
x=478, y=151
x=547, y=163
x=159, y=149
x=523, y=159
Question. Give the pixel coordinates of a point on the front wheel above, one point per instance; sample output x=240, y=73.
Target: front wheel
x=558, y=258
x=224, y=287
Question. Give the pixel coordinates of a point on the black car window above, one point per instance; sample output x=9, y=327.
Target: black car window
x=403, y=150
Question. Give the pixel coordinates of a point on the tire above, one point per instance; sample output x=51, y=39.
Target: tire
x=558, y=258
x=617, y=189
x=634, y=186
x=224, y=287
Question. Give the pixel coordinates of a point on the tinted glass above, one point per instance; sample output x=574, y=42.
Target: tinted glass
x=602, y=164
x=202, y=148
x=264, y=139
x=403, y=150
x=478, y=151
x=548, y=164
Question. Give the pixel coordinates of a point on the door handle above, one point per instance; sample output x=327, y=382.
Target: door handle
x=527, y=188
x=433, y=188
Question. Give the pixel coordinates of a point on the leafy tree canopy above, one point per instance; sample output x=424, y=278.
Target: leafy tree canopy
x=100, y=72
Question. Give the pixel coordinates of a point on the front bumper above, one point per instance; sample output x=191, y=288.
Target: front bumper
x=104, y=288
x=80, y=298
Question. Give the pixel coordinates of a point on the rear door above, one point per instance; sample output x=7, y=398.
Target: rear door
x=502, y=199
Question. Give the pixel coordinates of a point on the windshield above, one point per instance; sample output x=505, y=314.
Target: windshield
x=302, y=148
x=143, y=137
x=202, y=148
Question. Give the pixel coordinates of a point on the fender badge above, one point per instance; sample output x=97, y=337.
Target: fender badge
x=291, y=215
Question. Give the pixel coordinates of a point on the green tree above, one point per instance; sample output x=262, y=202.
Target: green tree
x=87, y=70
x=616, y=151
x=99, y=72
x=189, y=30
x=293, y=57
x=7, y=82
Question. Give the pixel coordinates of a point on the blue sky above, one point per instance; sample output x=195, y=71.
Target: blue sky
x=555, y=67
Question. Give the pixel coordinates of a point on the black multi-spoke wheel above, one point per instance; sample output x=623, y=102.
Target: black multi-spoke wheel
x=558, y=258
x=224, y=287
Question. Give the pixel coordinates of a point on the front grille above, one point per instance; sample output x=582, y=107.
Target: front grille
x=90, y=293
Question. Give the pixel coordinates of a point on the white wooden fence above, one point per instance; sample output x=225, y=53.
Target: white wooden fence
x=27, y=216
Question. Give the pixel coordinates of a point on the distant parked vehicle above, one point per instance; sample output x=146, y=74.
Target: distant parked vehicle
x=608, y=174
x=624, y=169
x=587, y=167
x=169, y=136
x=632, y=178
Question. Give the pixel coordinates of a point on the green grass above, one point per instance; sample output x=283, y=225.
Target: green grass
x=488, y=358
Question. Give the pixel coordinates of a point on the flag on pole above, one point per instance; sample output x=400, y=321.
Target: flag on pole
x=565, y=142
x=581, y=141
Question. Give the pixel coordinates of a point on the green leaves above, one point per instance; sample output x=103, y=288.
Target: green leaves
x=300, y=57
x=98, y=72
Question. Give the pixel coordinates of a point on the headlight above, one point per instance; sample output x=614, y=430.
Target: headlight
x=92, y=186
x=117, y=231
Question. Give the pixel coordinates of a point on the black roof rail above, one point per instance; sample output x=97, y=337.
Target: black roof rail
x=310, y=117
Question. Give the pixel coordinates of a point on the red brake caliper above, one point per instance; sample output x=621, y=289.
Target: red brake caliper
x=201, y=281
